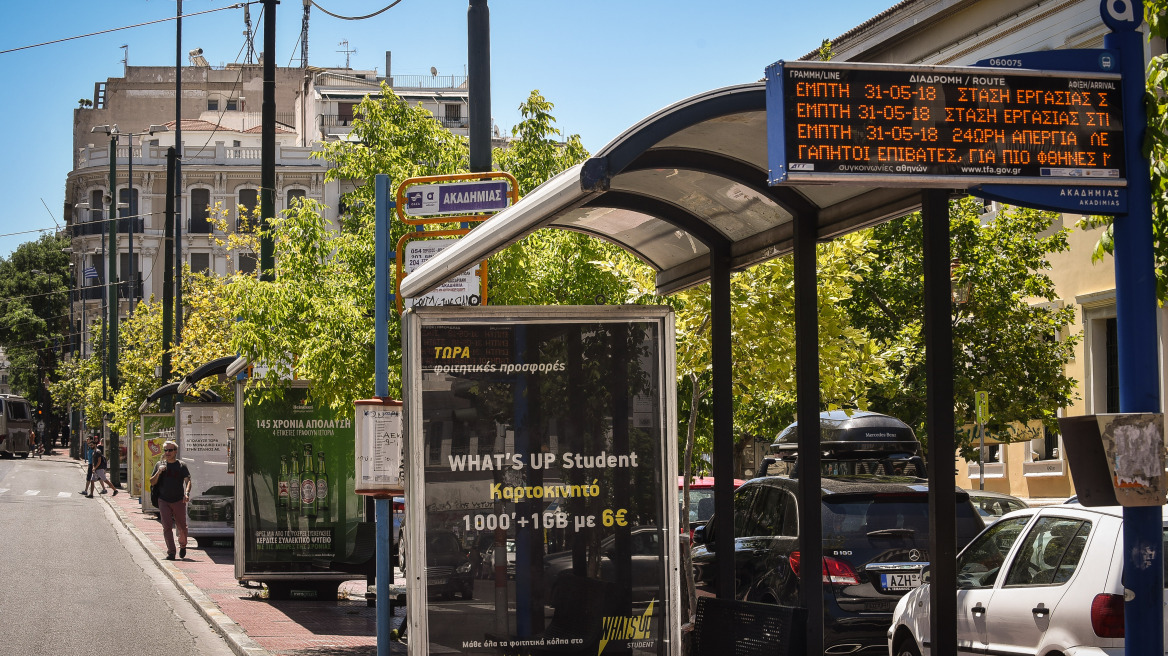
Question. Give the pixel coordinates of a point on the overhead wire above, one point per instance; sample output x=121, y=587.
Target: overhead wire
x=126, y=27
x=391, y=6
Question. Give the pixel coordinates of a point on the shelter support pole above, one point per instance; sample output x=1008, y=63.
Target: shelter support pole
x=720, y=332
x=807, y=415
x=381, y=383
x=939, y=422
x=1139, y=386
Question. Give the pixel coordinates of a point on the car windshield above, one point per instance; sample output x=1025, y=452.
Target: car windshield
x=701, y=504
x=882, y=517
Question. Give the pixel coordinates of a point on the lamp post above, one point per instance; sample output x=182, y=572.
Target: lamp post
x=132, y=199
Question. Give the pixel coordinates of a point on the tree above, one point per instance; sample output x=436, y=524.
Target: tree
x=35, y=282
x=1007, y=339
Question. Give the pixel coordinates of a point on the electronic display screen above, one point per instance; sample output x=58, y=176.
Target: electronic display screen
x=887, y=123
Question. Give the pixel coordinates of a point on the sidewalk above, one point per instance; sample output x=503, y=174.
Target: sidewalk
x=252, y=624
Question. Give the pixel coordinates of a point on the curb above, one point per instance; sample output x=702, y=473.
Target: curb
x=241, y=644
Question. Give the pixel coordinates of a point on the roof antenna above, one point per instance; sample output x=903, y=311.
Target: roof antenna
x=346, y=50
x=125, y=60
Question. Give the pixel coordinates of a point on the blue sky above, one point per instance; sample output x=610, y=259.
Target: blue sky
x=605, y=64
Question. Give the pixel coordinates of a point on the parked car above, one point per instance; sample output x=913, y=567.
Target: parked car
x=875, y=544
x=215, y=504
x=993, y=505
x=487, y=570
x=1038, y=581
x=701, y=500
x=448, y=567
x=644, y=554
x=855, y=442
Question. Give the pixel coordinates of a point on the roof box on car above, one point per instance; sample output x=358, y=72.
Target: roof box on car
x=853, y=434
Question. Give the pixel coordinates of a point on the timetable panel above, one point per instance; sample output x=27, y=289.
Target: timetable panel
x=883, y=123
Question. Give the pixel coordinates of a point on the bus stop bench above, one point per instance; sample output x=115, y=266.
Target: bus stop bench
x=726, y=627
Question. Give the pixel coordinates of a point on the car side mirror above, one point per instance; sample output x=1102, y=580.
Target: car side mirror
x=925, y=575
x=699, y=535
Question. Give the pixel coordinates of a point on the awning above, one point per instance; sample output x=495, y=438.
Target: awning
x=688, y=176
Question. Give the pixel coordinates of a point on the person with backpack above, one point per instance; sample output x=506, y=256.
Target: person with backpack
x=100, y=463
x=173, y=480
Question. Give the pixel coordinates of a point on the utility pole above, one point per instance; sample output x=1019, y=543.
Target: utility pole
x=112, y=293
x=168, y=264
x=478, y=50
x=268, y=145
x=178, y=258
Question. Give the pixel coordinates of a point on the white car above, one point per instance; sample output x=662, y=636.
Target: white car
x=1038, y=581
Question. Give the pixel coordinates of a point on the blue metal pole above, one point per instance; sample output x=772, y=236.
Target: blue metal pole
x=381, y=351
x=1135, y=299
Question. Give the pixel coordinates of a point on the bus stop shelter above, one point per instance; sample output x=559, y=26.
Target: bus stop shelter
x=686, y=191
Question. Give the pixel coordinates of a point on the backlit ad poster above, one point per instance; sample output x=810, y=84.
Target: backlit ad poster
x=157, y=428
x=542, y=483
x=202, y=438
x=295, y=466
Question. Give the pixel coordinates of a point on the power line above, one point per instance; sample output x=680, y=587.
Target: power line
x=391, y=6
x=126, y=27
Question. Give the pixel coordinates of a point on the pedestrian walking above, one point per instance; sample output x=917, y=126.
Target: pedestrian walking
x=88, y=489
x=100, y=463
x=174, y=491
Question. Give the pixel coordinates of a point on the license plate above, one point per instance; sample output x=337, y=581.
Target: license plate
x=900, y=581
x=438, y=580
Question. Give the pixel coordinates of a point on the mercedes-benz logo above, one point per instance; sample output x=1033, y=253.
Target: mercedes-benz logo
x=914, y=555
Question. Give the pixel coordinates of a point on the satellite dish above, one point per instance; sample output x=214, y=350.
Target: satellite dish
x=433, y=71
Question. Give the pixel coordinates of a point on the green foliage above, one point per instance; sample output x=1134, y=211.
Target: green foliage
x=1008, y=339
x=34, y=312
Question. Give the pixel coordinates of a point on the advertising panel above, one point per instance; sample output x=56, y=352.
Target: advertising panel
x=541, y=480
x=156, y=429
x=203, y=447
x=134, y=464
x=295, y=469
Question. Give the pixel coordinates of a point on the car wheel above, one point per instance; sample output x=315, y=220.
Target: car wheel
x=907, y=647
x=24, y=455
x=468, y=591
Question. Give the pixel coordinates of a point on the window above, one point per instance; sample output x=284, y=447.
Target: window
x=201, y=262
x=743, y=499
x=294, y=196
x=200, y=205
x=232, y=105
x=212, y=104
x=95, y=205
x=979, y=564
x=247, y=263
x=453, y=114
x=248, y=201
x=1051, y=552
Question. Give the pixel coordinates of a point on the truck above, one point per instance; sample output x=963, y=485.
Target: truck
x=16, y=426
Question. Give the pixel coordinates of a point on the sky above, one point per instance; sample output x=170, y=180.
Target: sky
x=605, y=64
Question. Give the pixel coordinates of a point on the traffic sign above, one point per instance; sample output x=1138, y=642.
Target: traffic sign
x=465, y=196
x=982, y=406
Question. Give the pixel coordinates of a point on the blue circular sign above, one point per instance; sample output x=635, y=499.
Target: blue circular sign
x=1122, y=15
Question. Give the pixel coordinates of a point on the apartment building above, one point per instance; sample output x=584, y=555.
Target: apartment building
x=943, y=32
x=221, y=139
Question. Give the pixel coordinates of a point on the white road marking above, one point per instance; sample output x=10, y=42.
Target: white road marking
x=31, y=493
x=3, y=490
x=64, y=494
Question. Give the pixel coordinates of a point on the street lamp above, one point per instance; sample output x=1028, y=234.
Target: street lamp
x=113, y=133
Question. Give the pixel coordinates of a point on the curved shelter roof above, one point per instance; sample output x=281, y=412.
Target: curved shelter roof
x=691, y=176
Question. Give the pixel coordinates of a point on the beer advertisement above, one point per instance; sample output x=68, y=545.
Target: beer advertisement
x=295, y=467
x=541, y=480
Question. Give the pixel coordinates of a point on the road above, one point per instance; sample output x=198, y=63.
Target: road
x=74, y=581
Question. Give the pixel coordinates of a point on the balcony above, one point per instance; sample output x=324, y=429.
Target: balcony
x=219, y=154
x=100, y=227
x=124, y=289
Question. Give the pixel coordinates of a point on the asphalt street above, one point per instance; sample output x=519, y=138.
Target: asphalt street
x=73, y=580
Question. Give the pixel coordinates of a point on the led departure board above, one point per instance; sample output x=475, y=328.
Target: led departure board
x=942, y=126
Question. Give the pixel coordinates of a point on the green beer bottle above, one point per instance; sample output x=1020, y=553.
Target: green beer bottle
x=294, y=485
x=282, y=499
x=308, y=483
x=322, y=487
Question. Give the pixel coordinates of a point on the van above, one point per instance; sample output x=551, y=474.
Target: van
x=15, y=426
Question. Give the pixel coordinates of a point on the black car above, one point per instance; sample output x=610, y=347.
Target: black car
x=448, y=566
x=875, y=544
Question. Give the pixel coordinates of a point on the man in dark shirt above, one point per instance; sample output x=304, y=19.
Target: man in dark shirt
x=175, y=491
